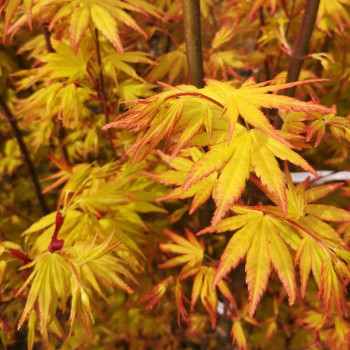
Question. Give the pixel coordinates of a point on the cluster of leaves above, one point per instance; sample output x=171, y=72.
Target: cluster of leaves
x=158, y=191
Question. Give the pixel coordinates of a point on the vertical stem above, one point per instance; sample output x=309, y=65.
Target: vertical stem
x=302, y=44
x=101, y=92
x=25, y=154
x=193, y=38
x=300, y=49
x=192, y=27
x=47, y=36
x=61, y=129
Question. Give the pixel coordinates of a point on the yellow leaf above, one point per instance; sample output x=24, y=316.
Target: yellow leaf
x=190, y=130
x=267, y=169
x=223, y=35
x=235, y=250
x=332, y=290
x=210, y=162
x=258, y=267
x=238, y=335
x=191, y=250
x=202, y=286
x=78, y=23
x=281, y=260
x=203, y=192
x=107, y=25
x=232, y=180
x=47, y=287
x=285, y=153
x=328, y=212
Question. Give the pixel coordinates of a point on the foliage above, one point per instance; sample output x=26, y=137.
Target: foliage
x=158, y=190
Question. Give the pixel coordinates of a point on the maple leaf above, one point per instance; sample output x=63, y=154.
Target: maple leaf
x=48, y=286
x=202, y=288
x=90, y=264
x=157, y=292
x=200, y=192
x=238, y=335
x=248, y=100
x=259, y=240
x=224, y=35
x=334, y=9
x=234, y=162
x=266, y=232
x=191, y=251
x=181, y=108
x=224, y=170
x=171, y=64
x=316, y=244
x=339, y=127
x=82, y=266
x=105, y=15
x=117, y=62
x=191, y=257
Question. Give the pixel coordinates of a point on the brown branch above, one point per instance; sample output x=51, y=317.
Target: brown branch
x=192, y=28
x=302, y=44
x=61, y=129
x=47, y=36
x=101, y=92
x=25, y=154
x=301, y=49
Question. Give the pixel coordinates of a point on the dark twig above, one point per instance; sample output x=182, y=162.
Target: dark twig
x=101, y=92
x=61, y=129
x=25, y=154
x=192, y=28
x=302, y=44
x=301, y=48
x=47, y=36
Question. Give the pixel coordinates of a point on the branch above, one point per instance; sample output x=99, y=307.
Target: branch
x=61, y=129
x=302, y=44
x=101, y=92
x=25, y=154
x=192, y=27
x=301, y=49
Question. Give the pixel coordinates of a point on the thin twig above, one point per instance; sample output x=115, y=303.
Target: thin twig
x=24, y=151
x=47, y=36
x=101, y=92
x=61, y=128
